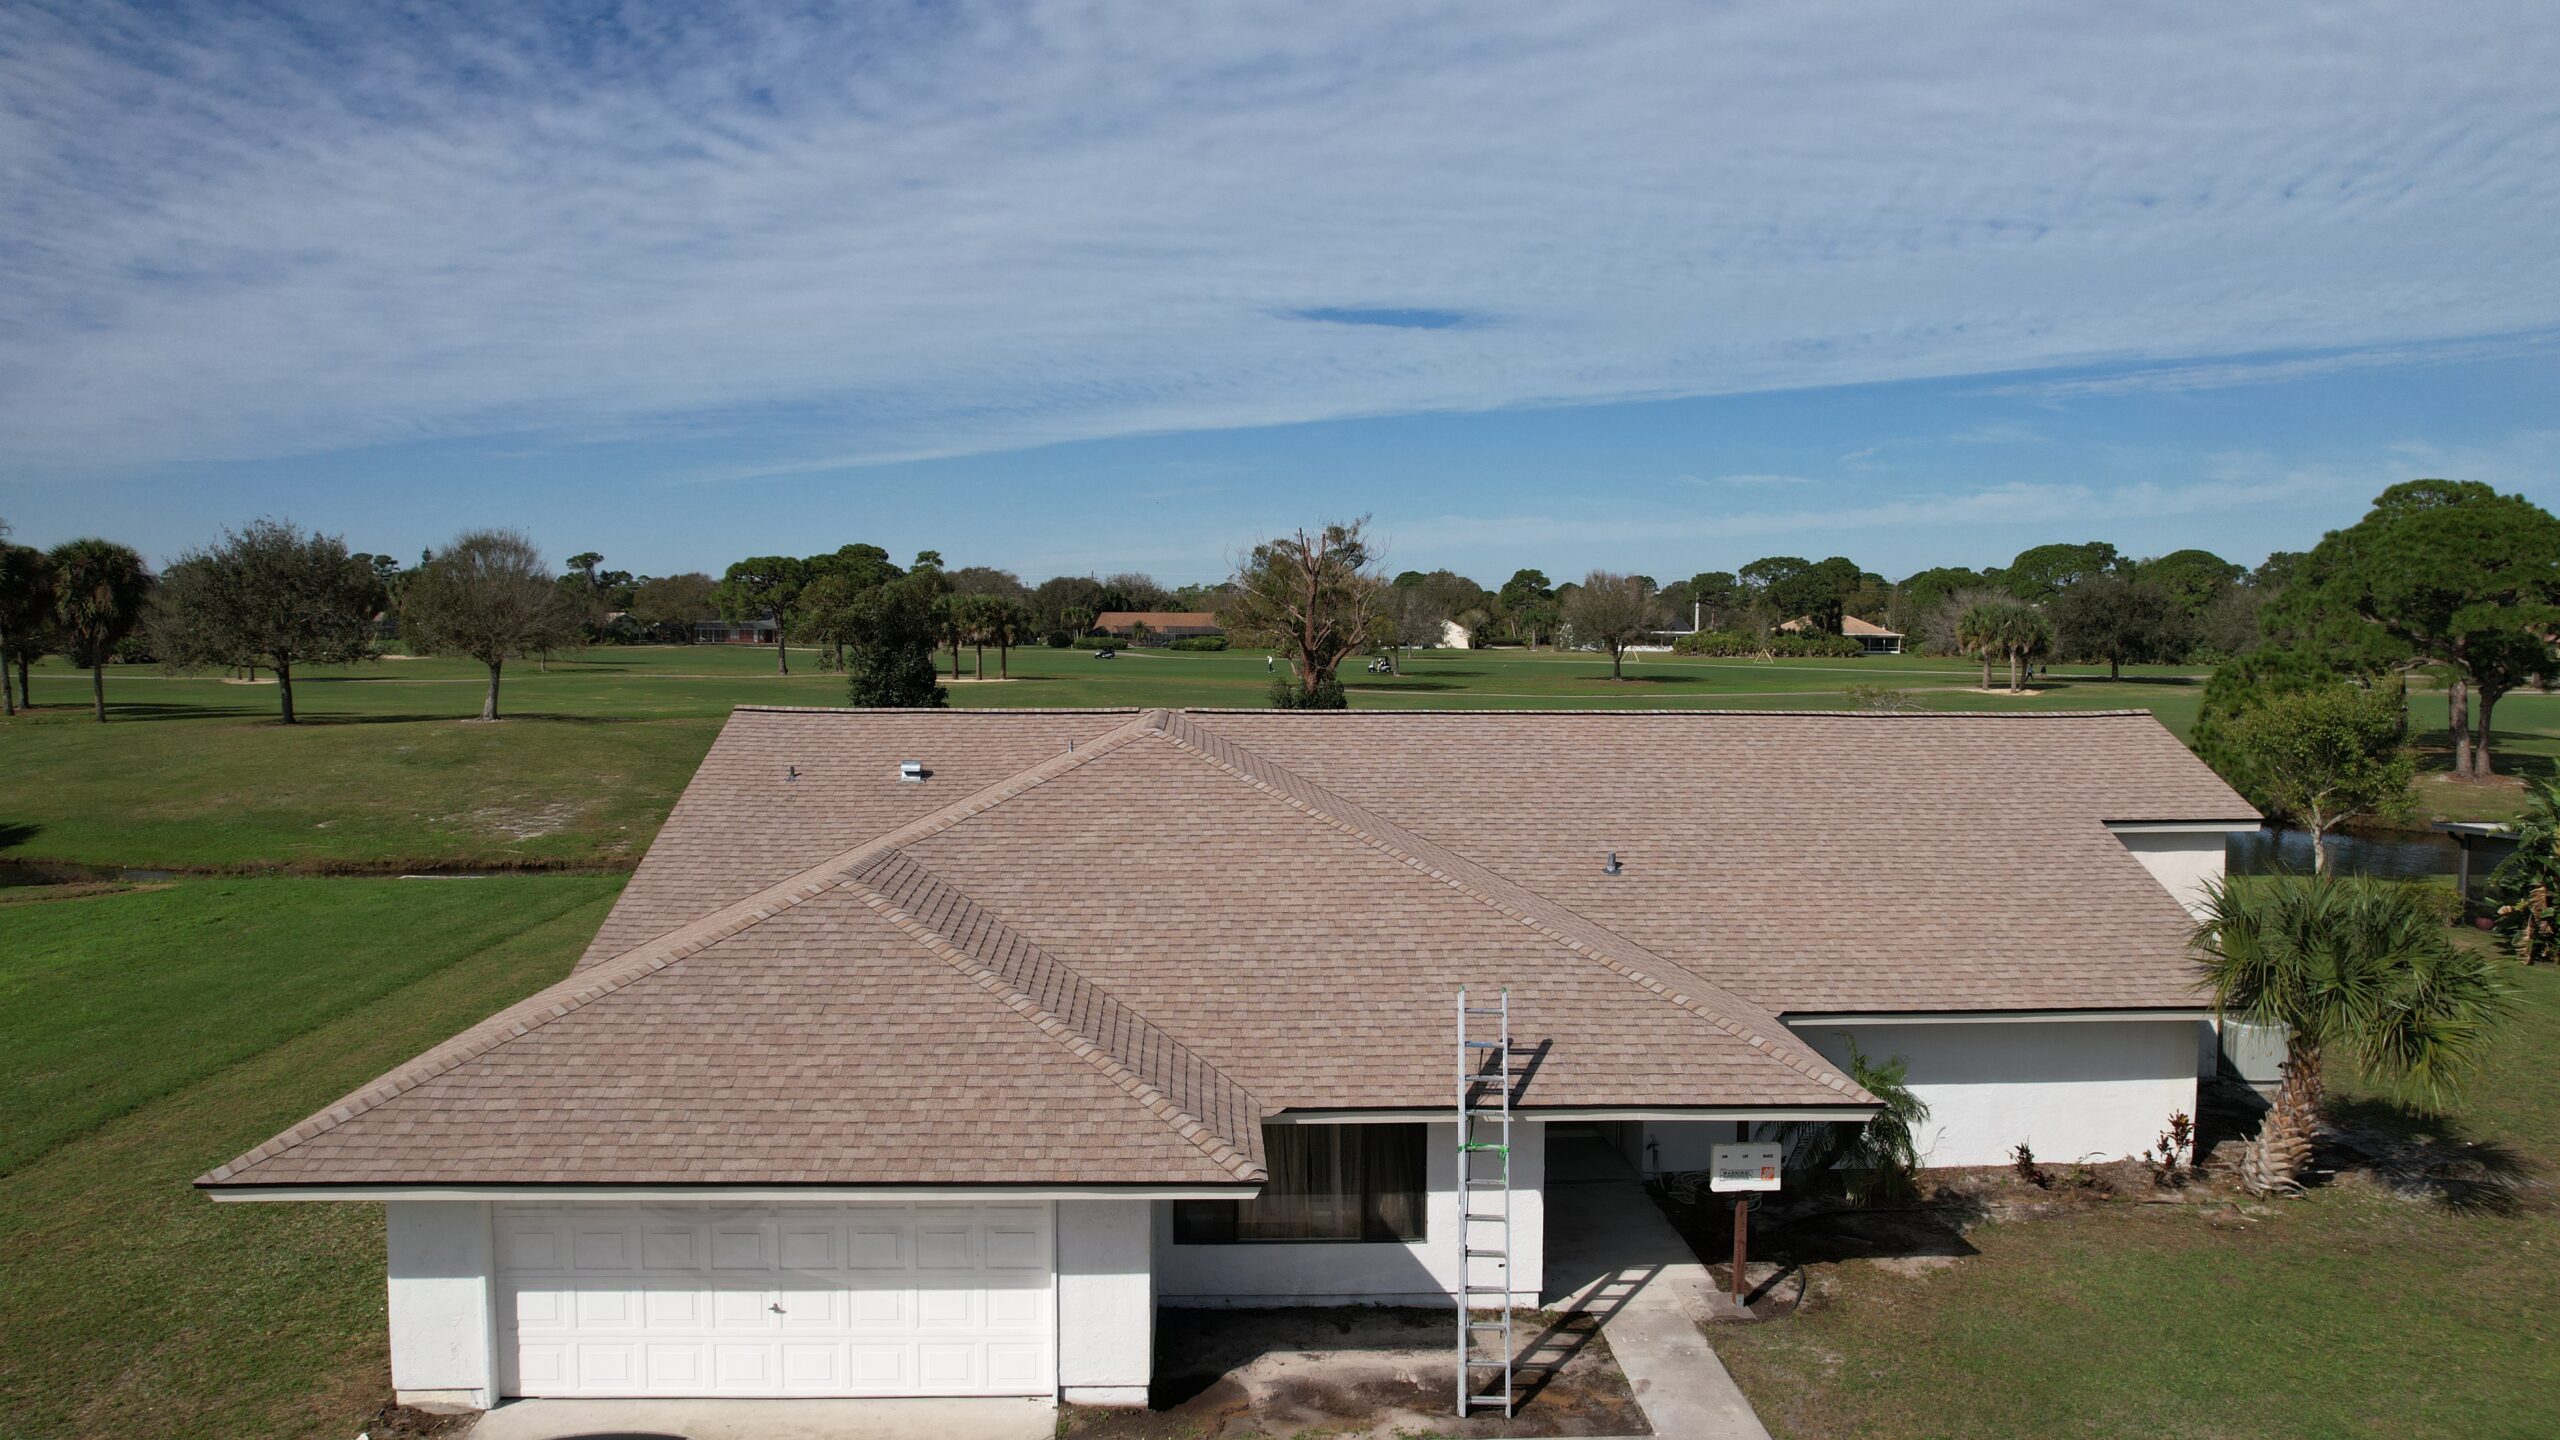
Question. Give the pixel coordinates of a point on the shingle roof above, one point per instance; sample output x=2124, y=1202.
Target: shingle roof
x=838, y=977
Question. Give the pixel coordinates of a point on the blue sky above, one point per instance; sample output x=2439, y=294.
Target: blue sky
x=1107, y=286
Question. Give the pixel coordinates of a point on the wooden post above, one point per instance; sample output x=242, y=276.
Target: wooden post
x=1741, y=1246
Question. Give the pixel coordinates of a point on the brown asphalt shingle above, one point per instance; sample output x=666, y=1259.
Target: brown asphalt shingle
x=1106, y=964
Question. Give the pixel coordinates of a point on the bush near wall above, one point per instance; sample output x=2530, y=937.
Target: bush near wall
x=1198, y=642
x=1735, y=645
x=1100, y=642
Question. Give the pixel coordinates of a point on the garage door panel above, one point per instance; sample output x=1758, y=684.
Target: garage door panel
x=675, y=1368
x=663, y=1250
x=735, y=1309
x=785, y=1300
x=741, y=1247
x=945, y=1244
x=596, y=1308
x=947, y=1368
x=595, y=1248
x=533, y=1246
x=875, y=1245
x=804, y=1308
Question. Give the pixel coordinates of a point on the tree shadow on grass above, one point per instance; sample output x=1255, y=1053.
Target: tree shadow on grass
x=1400, y=685
x=15, y=833
x=120, y=711
x=2424, y=1157
x=472, y=717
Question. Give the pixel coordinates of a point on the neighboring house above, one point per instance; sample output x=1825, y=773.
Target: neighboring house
x=1877, y=639
x=736, y=632
x=1455, y=636
x=868, y=1086
x=1161, y=624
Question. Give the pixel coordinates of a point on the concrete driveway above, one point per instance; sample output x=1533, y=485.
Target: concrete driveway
x=768, y=1420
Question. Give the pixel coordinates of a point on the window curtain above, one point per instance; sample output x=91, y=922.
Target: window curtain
x=1328, y=1182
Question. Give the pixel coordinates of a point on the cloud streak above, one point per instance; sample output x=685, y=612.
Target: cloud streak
x=941, y=231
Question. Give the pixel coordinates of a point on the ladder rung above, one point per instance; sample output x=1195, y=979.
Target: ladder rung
x=1485, y=1217
x=1488, y=1324
x=1501, y=1255
x=1482, y=1044
x=1483, y=1010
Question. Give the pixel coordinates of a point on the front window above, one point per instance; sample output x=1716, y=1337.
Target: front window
x=1328, y=1182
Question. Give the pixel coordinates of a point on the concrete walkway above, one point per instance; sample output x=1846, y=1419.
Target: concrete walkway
x=768, y=1420
x=1611, y=1254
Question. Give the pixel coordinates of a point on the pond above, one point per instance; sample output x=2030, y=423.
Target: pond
x=2388, y=854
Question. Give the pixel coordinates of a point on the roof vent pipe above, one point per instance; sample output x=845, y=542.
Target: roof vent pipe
x=1613, y=867
x=911, y=771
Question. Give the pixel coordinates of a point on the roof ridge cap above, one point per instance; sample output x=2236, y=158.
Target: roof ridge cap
x=1221, y=1150
x=581, y=988
x=1778, y=1043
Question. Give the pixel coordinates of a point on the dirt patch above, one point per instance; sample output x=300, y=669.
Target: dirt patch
x=1359, y=1371
x=399, y=1422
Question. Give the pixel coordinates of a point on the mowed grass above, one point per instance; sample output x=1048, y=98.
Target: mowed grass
x=2345, y=1313
x=389, y=772
x=194, y=1022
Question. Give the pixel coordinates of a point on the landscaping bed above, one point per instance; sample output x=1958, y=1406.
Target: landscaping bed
x=1372, y=1371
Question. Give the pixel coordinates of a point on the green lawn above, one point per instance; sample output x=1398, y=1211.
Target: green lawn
x=389, y=773
x=148, y=1034
x=152, y=1035
x=2345, y=1313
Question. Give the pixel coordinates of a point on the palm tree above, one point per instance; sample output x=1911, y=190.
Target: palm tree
x=1011, y=626
x=2354, y=969
x=1978, y=634
x=98, y=592
x=1879, y=1161
x=26, y=608
x=2023, y=635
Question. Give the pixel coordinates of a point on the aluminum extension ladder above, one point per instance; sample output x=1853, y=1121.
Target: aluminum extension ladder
x=1484, y=1177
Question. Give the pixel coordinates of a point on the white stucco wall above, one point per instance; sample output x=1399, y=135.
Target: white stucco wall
x=1106, y=1300
x=1317, y=1273
x=443, y=1335
x=2071, y=1089
x=2184, y=862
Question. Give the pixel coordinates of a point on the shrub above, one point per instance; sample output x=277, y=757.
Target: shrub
x=1099, y=642
x=1782, y=644
x=1880, y=1159
x=1883, y=699
x=2023, y=1160
x=1060, y=639
x=1198, y=642
x=2173, y=1157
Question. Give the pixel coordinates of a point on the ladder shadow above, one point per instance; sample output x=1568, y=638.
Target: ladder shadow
x=1570, y=1332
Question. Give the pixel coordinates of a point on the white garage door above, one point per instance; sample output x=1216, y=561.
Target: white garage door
x=776, y=1300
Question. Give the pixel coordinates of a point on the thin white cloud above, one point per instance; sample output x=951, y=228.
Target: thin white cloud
x=2225, y=375
x=2224, y=484
x=805, y=244
x=1758, y=481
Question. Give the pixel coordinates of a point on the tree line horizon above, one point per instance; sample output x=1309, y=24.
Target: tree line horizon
x=2449, y=574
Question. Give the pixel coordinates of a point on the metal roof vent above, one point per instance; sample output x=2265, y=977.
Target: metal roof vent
x=911, y=772
x=1613, y=867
